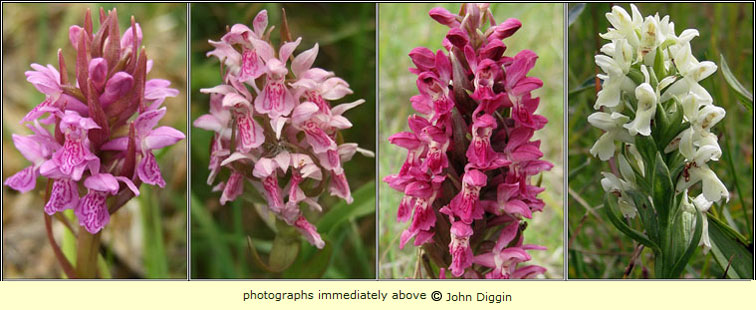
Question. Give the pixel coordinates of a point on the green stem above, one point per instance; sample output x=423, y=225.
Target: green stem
x=86, y=256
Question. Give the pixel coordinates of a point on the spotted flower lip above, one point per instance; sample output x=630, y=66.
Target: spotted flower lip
x=462, y=255
x=92, y=211
x=470, y=153
x=97, y=130
x=274, y=125
x=63, y=195
x=466, y=204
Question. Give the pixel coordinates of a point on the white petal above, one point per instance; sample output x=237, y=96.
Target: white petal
x=604, y=147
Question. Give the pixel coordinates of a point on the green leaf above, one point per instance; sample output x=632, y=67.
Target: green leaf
x=623, y=227
x=670, y=123
x=663, y=190
x=659, y=69
x=744, y=96
x=574, y=13
x=285, y=248
x=675, y=119
x=646, y=212
x=661, y=127
x=256, y=256
x=314, y=267
x=729, y=251
x=647, y=148
x=677, y=164
x=364, y=204
x=653, y=81
x=639, y=175
x=636, y=75
x=678, y=267
x=729, y=232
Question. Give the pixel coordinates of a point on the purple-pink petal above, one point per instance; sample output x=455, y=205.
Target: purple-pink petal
x=24, y=180
x=340, y=187
x=45, y=79
x=234, y=188
x=92, y=211
x=444, y=17
x=98, y=71
x=116, y=144
x=102, y=182
x=161, y=137
x=506, y=29
x=309, y=231
x=423, y=58
x=522, y=63
x=116, y=87
x=63, y=195
x=149, y=171
x=159, y=89
x=148, y=120
x=260, y=22
x=127, y=40
x=528, y=272
x=249, y=132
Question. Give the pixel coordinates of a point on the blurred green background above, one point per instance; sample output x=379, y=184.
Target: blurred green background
x=346, y=36
x=598, y=249
x=406, y=26
x=147, y=237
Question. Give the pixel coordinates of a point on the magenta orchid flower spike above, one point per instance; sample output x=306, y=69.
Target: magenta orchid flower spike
x=95, y=134
x=275, y=128
x=467, y=180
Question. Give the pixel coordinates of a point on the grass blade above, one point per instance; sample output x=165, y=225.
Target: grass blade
x=729, y=251
x=589, y=83
x=746, y=97
x=221, y=256
x=364, y=198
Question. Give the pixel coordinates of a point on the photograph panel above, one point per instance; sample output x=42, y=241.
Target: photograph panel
x=283, y=141
x=660, y=139
x=471, y=101
x=94, y=148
